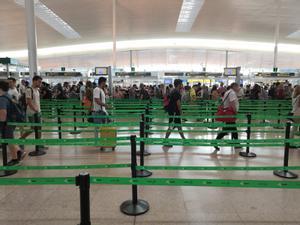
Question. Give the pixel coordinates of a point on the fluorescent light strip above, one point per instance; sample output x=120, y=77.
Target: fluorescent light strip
x=294, y=35
x=52, y=19
x=171, y=43
x=188, y=14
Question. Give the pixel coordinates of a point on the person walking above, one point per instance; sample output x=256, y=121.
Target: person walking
x=230, y=99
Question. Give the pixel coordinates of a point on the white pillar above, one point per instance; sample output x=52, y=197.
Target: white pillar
x=226, y=59
x=31, y=37
x=277, y=31
x=114, y=52
x=130, y=59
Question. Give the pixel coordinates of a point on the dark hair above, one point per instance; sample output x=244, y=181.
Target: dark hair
x=4, y=85
x=36, y=78
x=234, y=85
x=12, y=79
x=101, y=80
x=177, y=82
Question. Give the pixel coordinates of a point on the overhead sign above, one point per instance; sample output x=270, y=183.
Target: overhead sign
x=101, y=71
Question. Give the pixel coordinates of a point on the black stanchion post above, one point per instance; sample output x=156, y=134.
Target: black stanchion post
x=83, y=181
x=279, y=115
x=285, y=173
x=134, y=207
x=265, y=110
x=146, y=120
x=143, y=134
x=37, y=130
x=75, y=121
x=142, y=173
x=59, y=122
x=248, y=154
x=5, y=173
x=82, y=113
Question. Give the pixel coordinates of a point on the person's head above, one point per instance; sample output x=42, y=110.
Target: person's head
x=37, y=81
x=89, y=84
x=11, y=82
x=102, y=82
x=4, y=86
x=235, y=87
x=214, y=88
x=221, y=84
x=142, y=86
x=296, y=91
x=178, y=84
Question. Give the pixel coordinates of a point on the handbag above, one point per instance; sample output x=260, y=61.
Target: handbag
x=228, y=111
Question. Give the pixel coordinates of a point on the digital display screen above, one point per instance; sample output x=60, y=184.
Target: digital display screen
x=168, y=81
x=100, y=71
x=230, y=71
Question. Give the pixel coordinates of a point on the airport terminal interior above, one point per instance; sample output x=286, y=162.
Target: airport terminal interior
x=150, y=112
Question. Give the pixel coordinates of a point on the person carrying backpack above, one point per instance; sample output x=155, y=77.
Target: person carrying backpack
x=174, y=109
x=9, y=113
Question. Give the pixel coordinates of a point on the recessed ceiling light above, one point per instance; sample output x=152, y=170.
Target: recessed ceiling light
x=188, y=14
x=52, y=19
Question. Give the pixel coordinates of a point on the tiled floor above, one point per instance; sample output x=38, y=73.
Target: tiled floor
x=59, y=205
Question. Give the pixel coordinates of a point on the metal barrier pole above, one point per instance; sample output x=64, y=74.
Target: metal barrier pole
x=278, y=121
x=134, y=207
x=285, y=173
x=5, y=173
x=142, y=173
x=248, y=154
x=74, y=120
x=59, y=122
x=83, y=181
x=143, y=134
x=37, y=129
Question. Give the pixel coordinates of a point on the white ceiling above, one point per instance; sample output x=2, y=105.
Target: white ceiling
x=252, y=20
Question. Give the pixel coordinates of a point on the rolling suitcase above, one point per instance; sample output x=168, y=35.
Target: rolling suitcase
x=109, y=132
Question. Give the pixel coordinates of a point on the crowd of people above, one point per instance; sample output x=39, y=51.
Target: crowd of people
x=93, y=96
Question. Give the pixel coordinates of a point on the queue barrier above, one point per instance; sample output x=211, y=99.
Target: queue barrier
x=136, y=206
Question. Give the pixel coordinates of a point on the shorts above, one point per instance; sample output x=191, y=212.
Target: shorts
x=174, y=120
x=35, y=118
x=9, y=132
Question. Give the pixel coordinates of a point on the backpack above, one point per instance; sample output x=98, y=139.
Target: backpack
x=22, y=100
x=15, y=113
x=166, y=102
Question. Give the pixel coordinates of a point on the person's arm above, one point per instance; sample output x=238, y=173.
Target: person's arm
x=3, y=115
x=178, y=103
x=29, y=101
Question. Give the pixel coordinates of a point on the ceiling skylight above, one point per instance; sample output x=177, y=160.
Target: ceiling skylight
x=294, y=35
x=188, y=14
x=52, y=19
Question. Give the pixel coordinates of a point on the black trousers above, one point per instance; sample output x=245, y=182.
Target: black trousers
x=234, y=135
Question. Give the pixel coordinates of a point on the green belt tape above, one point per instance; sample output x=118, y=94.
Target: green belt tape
x=76, y=124
x=197, y=182
x=70, y=167
x=218, y=168
x=154, y=182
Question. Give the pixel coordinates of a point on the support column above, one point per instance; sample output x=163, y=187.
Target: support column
x=276, y=38
x=7, y=70
x=114, y=52
x=31, y=37
x=226, y=59
x=130, y=60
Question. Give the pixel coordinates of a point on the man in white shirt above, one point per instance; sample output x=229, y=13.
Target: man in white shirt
x=99, y=96
x=13, y=92
x=33, y=110
x=230, y=99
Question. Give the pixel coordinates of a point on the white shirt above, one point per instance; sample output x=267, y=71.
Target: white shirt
x=241, y=93
x=35, y=100
x=99, y=93
x=14, y=94
x=81, y=92
x=296, y=107
x=231, y=96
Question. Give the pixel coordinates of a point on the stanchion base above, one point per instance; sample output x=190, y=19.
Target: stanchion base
x=285, y=174
x=143, y=173
x=247, y=154
x=75, y=132
x=37, y=153
x=131, y=209
x=145, y=153
x=6, y=173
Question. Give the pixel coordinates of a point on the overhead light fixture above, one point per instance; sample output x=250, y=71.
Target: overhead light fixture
x=294, y=35
x=167, y=43
x=188, y=14
x=52, y=19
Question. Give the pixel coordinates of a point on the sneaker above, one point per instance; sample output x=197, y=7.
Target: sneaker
x=13, y=162
x=217, y=149
x=168, y=146
x=22, y=147
x=42, y=147
x=21, y=155
x=293, y=147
